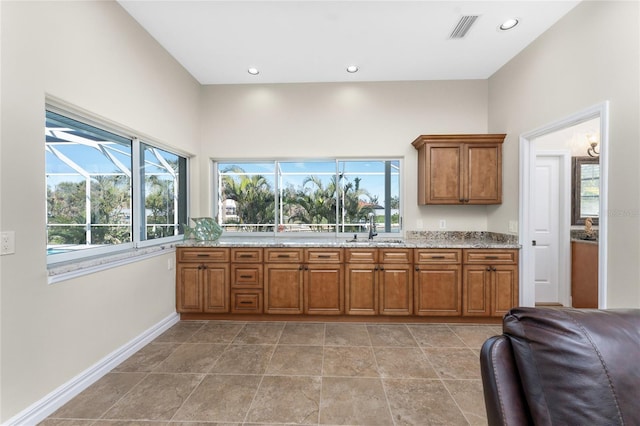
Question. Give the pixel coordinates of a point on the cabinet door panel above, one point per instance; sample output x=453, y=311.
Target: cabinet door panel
x=438, y=290
x=324, y=290
x=505, y=291
x=444, y=183
x=396, y=290
x=283, y=289
x=188, y=289
x=484, y=174
x=476, y=289
x=216, y=288
x=361, y=291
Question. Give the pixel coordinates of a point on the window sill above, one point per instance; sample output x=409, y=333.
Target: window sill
x=74, y=269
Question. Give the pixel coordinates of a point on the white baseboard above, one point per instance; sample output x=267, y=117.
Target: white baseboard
x=41, y=409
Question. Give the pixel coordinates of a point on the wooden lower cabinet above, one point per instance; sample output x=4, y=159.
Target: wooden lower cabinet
x=490, y=282
x=351, y=281
x=381, y=285
x=202, y=278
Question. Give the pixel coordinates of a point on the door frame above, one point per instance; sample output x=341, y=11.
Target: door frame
x=527, y=188
x=564, y=228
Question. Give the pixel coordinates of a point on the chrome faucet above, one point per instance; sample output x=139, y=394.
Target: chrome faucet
x=372, y=226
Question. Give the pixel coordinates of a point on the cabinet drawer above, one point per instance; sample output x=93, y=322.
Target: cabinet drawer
x=246, y=276
x=203, y=255
x=361, y=255
x=246, y=301
x=283, y=255
x=395, y=256
x=246, y=255
x=492, y=256
x=437, y=256
x=323, y=256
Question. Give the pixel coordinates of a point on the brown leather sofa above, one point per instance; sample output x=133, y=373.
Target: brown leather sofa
x=563, y=366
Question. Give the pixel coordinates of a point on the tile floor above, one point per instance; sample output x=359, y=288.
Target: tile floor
x=274, y=373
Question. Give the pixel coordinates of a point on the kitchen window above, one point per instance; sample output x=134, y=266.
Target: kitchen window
x=319, y=197
x=106, y=191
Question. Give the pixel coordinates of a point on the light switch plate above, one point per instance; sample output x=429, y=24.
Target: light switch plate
x=7, y=242
x=513, y=226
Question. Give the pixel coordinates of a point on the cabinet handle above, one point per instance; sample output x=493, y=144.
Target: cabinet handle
x=284, y=256
x=246, y=255
x=437, y=257
x=491, y=257
x=246, y=302
x=324, y=256
x=202, y=255
x=488, y=268
x=246, y=276
x=417, y=269
x=382, y=268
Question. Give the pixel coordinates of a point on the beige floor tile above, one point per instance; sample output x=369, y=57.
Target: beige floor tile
x=286, y=400
x=403, y=363
x=354, y=401
x=454, y=363
x=243, y=359
x=391, y=335
x=130, y=423
x=94, y=401
x=217, y=332
x=474, y=335
x=341, y=334
x=469, y=397
x=156, y=397
x=351, y=361
x=180, y=332
x=220, y=399
x=422, y=402
x=259, y=333
x=296, y=360
x=147, y=358
x=435, y=336
x=192, y=358
x=65, y=422
x=296, y=333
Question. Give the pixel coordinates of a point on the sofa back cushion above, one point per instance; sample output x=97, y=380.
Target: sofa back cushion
x=578, y=366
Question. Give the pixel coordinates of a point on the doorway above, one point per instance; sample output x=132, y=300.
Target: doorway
x=529, y=188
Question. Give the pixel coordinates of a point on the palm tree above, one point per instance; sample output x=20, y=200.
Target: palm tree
x=253, y=195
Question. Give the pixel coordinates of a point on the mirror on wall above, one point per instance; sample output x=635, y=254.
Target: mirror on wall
x=585, y=187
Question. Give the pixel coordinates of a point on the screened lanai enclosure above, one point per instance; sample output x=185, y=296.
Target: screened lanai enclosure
x=108, y=190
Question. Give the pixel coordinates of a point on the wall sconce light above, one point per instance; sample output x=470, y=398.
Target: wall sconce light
x=593, y=142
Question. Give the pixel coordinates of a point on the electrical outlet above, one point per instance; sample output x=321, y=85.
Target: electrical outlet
x=443, y=224
x=7, y=242
x=513, y=226
x=171, y=263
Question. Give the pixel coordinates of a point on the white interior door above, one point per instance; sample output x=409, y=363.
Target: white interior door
x=546, y=231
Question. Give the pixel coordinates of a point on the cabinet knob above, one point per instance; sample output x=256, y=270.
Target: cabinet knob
x=417, y=268
x=488, y=268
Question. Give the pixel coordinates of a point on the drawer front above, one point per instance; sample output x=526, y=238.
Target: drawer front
x=396, y=256
x=246, y=276
x=246, y=301
x=246, y=255
x=323, y=255
x=203, y=254
x=437, y=256
x=361, y=255
x=491, y=256
x=283, y=255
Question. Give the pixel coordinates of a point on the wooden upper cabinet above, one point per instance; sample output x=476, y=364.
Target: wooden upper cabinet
x=459, y=169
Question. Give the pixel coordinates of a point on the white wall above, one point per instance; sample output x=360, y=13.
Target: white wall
x=344, y=120
x=95, y=56
x=590, y=56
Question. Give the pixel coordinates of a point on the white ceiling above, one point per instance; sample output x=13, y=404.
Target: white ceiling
x=315, y=40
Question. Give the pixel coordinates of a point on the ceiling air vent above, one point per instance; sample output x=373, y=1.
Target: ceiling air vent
x=463, y=26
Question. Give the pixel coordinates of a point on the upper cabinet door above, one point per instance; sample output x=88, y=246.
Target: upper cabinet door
x=459, y=169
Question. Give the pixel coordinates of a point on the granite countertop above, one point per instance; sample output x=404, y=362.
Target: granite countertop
x=414, y=239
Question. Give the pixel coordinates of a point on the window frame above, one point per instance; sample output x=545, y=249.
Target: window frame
x=138, y=220
x=215, y=206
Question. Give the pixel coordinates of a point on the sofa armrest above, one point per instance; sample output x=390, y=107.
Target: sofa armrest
x=503, y=396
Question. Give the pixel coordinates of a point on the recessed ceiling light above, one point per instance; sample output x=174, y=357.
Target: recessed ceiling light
x=253, y=71
x=352, y=69
x=508, y=24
